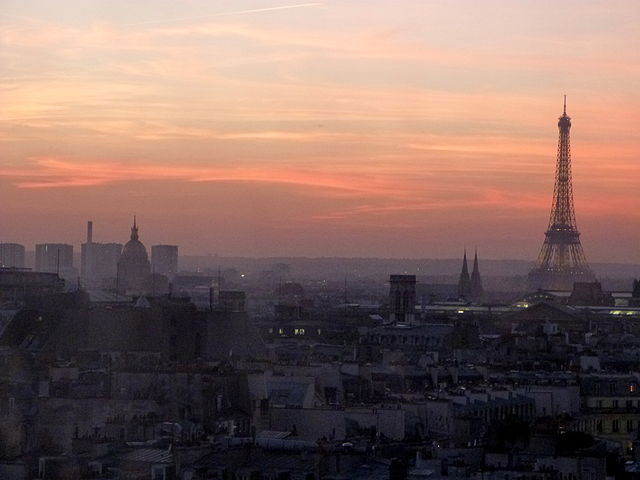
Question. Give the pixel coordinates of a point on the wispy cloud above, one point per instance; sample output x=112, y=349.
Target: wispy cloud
x=227, y=14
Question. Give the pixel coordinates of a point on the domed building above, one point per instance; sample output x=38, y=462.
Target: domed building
x=133, y=267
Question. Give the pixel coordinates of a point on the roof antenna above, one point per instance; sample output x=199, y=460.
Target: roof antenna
x=565, y=105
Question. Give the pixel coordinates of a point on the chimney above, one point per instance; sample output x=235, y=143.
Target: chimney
x=89, y=231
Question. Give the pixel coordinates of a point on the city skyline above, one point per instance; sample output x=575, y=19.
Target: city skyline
x=319, y=128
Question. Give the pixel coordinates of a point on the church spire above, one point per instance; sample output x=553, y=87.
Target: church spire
x=134, y=229
x=476, y=281
x=464, y=283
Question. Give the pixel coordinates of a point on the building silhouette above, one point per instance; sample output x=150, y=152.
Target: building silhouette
x=134, y=268
x=55, y=258
x=402, y=298
x=476, y=290
x=464, y=282
x=561, y=261
x=11, y=255
x=99, y=261
x=164, y=259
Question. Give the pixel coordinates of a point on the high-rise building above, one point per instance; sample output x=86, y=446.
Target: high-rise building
x=86, y=256
x=561, y=261
x=99, y=261
x=11, y=255
x=164, y=259
x=55, y=258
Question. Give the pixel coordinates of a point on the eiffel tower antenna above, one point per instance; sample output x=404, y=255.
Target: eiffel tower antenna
x=561, y=261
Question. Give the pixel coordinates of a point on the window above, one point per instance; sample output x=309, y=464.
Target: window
x=612, y=387
x=596, y=388
x=629, y=425
x=615, y=404
x=615, y=426
x=599, y=403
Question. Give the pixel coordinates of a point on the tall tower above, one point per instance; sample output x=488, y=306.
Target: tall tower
x=476, y=280
x=464, y=282
x=561, y=261
x=402, y=298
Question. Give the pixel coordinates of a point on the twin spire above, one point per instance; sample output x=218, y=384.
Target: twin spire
x=470, y=287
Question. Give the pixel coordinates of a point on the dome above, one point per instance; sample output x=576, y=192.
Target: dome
x=133, y=266
x=134, y=250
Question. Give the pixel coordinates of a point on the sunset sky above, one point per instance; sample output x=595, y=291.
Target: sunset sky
x=390, y=128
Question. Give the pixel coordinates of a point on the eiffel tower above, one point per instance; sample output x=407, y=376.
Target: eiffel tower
x=561, y=261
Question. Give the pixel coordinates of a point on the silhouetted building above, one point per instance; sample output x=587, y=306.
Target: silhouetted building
x=164, y=259
x=98, y=261
x=402, y=298
x=464, y=283
x=133, y=267
x=230, y=331
x=476, y=289
x=104, y=261
x=55, y=258
x=11, y=255
x=16, y=285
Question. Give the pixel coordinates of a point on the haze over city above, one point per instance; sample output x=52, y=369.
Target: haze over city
x=330, y=128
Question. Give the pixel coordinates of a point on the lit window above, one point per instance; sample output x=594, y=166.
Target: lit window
x=280, y=331
x=632, y=387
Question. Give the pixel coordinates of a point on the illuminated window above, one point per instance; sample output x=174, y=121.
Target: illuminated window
x=319, y=332
x=280, y=331
x=632, y=387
